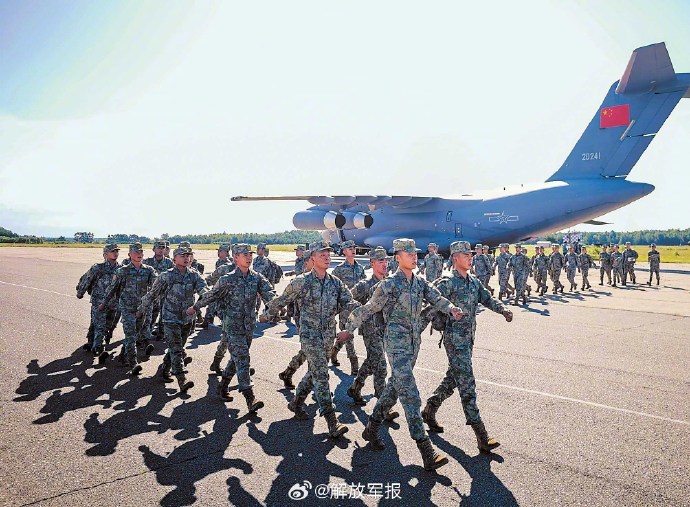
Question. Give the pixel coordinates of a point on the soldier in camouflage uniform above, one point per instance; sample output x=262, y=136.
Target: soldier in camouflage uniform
x=371, y=330
x=604, y=265
x=555, y=265
x=492, y=261
x=572, y=265
x=432, y=265
x=196, y=265
x=321, y=297
x=224, y=259
x=392, y=265
x=503, y=264
x=400, y=297
x=629, y=259
x=160, y=263
x=540, y=269
x=222, y=347
x=130, y=284
x=481, y=267
x=236, y=293
x=466, y=292
x=654, y=258
x=617, y=265
x=520, y=266
x=298, y=270
x=350, y=272
x=299, y=358
x=95, y=282
x=176, y=287
x=586, y=261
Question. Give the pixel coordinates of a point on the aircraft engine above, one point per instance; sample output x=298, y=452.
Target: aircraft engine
x=357, y=220
x=317, y=220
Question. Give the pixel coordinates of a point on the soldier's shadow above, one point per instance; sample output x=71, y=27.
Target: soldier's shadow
x=203, y=337
x=486, y=489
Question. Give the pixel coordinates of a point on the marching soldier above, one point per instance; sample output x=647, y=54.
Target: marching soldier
x=629, y=259
x=350, y=272
x=236, y=293
x=555, y=265
x=519, y=265
x=481, y=267
x=492, y=263
x=224, y=259
x=540, y=270
x=432, y=265
x=160, y=263
x=400, y=297
x=503, y=264
x=586, y=261
x=604, y=265
x=572, y=264
x=617, y=264
x=322, y=296
x=466, y=292
x=299, y=269
x=654, y=258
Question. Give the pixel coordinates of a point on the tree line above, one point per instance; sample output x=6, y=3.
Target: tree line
x=668, y=237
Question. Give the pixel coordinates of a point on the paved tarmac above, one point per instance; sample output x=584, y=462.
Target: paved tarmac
x=587, y=392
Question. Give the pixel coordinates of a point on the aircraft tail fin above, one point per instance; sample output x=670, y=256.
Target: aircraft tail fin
x=630, y=116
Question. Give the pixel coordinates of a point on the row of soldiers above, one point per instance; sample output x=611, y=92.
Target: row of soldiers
x=389, y=311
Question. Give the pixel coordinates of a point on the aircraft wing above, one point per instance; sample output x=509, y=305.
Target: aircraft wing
x=343, y=202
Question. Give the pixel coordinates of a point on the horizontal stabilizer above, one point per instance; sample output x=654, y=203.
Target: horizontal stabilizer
x=596, y=222
x=649, y=67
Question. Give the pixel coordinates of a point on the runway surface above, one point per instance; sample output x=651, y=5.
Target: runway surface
x=588, y=394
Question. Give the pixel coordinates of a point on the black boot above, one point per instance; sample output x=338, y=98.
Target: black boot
x=223, y=389
x=335, y=429
x=429, y=416
x=185, y=385
x=164, y=372
x=484, y=443
x=286, y=377
x=391, y=415
x=136, y=370
x=355, y=392
x=371, y=434
x=432, y=459
x=253, y=405
x=297, y=407
x=148, y=350
x=215, y=366
x=334, y=356
x=354, y=365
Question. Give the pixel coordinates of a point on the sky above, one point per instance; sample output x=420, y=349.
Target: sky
x=146, y=117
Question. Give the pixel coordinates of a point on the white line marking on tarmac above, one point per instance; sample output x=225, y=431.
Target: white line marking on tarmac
x=532, y=391
x=42, y=290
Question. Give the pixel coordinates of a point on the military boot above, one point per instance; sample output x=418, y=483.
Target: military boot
x=371, y=435
x=297, y=407
x=657, y=282
x=224, y=389
x=187, y=360
x=354, y=365
x=575, y=286
x=335, y=429
x=334, y=356
x=102, y=355
x=391, y=415
x=185, y=385
x=253, y=405
x=355, y=392
x=207, y=320
x=432, y=459
x=484, y=443
x=500, y=294
x=524, y=299
x=286, y=377
x=148, y=350
x=429, y=417
x=215, y=366
x=136, y=370
x=164, y=372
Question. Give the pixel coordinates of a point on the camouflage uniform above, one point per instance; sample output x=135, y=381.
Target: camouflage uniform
x=159, y=265
x=555, y=265
x=503, y=264
x=458, y=340
x=629, y=259
x=235, y=294
x=586, y=261
x=401, y=302
x=432, y=266
x=540, y=271
x=128, y=287
x=298, y=270
x=211, y=310
x=350, y=274
x=392, y=265
x=520, y=266
x=572, y=265
x=176, y=290
x=604, y=266
x=617, y=265
x=481, y=265
x=320, y=301
x=654, y=258
x=96, y=281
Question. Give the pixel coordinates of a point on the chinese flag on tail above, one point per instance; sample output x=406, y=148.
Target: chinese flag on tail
x=614, y=116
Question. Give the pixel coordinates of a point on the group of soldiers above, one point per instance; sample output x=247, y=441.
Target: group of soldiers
x=616, y=265
x=390, y=308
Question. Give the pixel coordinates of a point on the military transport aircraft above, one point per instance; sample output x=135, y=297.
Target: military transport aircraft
x=591, y=182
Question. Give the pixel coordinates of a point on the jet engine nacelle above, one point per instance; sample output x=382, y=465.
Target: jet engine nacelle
x=317, y=220
x=357, y=220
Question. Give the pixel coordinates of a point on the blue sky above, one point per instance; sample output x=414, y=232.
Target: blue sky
x=146, y=117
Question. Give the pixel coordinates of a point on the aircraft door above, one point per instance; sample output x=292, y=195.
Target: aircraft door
x=458, y=230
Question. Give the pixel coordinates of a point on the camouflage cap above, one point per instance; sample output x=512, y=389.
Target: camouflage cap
x=627, y=243
x=460, y=247
x=225, y=247
x=347, y=244
x=554, y=245
x=432, y=245
x=136, y=247
x=571, y=246
x=300, y=248
x=167, y=244
x=184, y=244
x=159, y=244
x=320, y=245
x=182, y=250
x=405, y=245
x=306, y=256
x=503, y=245
x=478, y=245
x=518, y=245
x=652, y=245
x=110, y=247
x=261, y=246
x=377, y=254
x=242, y=248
